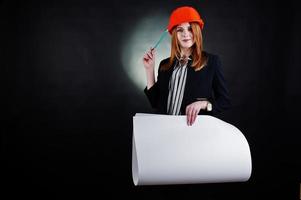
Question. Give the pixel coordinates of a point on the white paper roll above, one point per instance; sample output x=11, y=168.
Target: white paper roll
x=168, y=151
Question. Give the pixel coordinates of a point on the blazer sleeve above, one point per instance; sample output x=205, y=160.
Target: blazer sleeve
x=221, y=100
x=153, y=93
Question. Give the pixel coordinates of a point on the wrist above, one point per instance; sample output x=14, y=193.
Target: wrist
x=209, y=106
x=150, y=69
x=150, y=78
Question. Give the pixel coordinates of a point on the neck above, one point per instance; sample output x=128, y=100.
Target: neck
x=185, y=52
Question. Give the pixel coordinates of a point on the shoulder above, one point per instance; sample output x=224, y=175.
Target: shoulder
x=165, y=61
x=212, y=58
x=164, y=64
x=214, y=61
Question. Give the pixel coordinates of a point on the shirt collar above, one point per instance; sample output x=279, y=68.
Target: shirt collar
x=189, y=59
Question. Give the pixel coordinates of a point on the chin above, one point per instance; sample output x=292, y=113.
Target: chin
x=187, y=46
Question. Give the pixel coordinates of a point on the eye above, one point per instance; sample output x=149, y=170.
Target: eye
x=179, y=30
x=189, y=28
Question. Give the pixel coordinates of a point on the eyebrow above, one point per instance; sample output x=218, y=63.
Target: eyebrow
x=184, y=27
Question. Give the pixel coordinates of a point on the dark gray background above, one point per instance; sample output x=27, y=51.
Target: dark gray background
x=67, y=104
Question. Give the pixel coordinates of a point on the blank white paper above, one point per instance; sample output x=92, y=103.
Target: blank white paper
x=168, y=151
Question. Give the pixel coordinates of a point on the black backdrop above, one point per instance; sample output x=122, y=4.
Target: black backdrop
x=68, y=105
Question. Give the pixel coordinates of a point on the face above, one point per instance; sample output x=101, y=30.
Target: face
x=184, y=35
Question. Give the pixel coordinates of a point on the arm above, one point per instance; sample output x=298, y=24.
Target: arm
x=151, y=90
x=221, y=100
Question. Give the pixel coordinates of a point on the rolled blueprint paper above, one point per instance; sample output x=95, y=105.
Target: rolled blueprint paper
x=168, y=151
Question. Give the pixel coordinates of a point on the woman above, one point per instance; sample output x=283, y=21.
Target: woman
x=190, y=81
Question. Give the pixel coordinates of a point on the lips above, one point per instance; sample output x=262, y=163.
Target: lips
x=186, y=40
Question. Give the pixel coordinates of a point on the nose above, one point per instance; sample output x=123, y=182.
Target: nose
x=185, y=33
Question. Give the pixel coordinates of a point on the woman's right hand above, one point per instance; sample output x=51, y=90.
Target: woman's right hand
x=149, y=60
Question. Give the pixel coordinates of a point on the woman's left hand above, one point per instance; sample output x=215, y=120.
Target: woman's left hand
x=193, y=109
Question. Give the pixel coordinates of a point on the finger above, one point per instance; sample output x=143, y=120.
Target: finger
x=195, y=114
x=191, y=116
x=145, y=58
x=153, y=51
x=190, y=113
x=197, y=111
x=149, y=55
x=187, y=114
x=186, y=110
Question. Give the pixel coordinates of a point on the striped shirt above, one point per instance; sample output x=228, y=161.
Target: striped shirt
x=176, y=89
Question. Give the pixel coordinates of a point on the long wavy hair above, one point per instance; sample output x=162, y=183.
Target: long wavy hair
x=198, y=56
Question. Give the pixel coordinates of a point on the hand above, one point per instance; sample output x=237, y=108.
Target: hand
x=193, y=109
x=149, y=59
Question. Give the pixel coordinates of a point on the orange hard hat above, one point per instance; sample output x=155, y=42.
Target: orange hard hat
x=182, y=15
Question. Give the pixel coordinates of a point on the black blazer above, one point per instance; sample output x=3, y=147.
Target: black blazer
x=209, y=82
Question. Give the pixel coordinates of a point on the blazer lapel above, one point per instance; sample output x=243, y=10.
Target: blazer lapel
x=188, y=86
x=165, y=92
x=168, y=75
